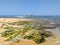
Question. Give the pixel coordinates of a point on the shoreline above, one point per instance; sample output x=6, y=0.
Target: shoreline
x=49, y=40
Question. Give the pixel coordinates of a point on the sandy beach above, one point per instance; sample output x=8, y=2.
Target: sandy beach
x=49, y=40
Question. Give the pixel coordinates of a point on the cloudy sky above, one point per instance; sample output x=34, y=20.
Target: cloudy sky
x=27, y=7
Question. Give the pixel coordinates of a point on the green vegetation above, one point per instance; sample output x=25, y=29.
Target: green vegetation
x=27, y=32
x=23, y=22
x=7, y=33
x=28, y=27
x=8, y=27
x=38, y=38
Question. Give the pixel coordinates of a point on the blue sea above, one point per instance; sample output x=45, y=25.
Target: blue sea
x=29, y=16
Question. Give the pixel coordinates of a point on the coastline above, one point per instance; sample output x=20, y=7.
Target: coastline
x=49, y=40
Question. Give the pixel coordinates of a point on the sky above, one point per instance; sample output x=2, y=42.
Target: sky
x=29, y=7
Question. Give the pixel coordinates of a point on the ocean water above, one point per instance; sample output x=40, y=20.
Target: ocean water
x=30, y=16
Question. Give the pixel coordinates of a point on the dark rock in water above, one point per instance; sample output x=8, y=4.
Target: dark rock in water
x=44, y=24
